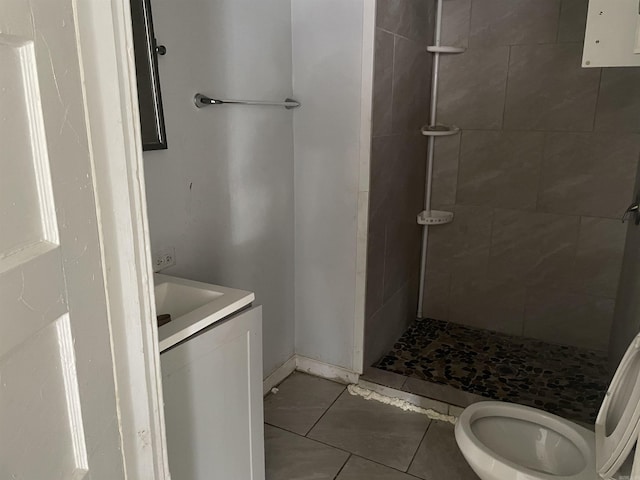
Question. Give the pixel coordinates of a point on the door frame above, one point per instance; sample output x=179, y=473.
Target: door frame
x=106, y=52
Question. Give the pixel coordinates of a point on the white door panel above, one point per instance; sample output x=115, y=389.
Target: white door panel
x=47, y=359
x=31, y=297
x=24, y=186
x=58, y=416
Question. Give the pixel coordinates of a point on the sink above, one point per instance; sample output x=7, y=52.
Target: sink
x=177, y=299
x=193, y=306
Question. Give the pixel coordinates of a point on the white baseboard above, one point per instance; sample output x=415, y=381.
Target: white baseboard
x=310, y=366
x=325, y=370
x=280, y=373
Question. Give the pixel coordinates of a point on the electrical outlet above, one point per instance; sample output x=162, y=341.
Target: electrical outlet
x=164, y=258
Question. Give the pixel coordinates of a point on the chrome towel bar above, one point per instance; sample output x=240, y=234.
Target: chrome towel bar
x=204, y=101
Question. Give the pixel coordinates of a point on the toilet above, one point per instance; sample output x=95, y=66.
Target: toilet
x=505, y=441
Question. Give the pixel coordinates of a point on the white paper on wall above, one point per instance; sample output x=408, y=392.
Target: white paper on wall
x=612, y=36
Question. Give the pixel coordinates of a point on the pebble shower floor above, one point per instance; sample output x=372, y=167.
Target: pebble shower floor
x=567, y=381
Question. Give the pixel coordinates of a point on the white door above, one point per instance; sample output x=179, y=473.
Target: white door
x=58, y=417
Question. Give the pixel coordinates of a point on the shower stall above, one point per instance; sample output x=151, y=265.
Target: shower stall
x=519, y=290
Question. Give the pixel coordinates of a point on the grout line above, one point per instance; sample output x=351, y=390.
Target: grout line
x=524, y=309
x=543, y=162
x=388, y=135
x=413, y=457
x=506, y=90
x=491, y=237
x=404, y=382
x=393, y=83
x=449, y=291
x=539, y=130
x=327, y=444
x=325, y=412
x=455, y=202
x=352, y=454
x=459, y=163
x=529, y=211
x=399, y=35
x=343, y=465
x=384, y=265
x=383, y=465
x=543, y=44
x=595, y=109
x=312, y=439
x=562, y=4
x=279, y=427
x=469, y=26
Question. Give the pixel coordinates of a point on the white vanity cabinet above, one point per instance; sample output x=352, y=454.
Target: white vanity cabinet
x=212, y=385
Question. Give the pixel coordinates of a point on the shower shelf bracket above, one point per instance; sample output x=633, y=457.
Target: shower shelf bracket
x=444, y=49
x=435, y=217
x=439, y=130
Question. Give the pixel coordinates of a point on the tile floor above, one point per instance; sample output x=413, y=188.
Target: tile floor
x=567, y=381
x=316, y=430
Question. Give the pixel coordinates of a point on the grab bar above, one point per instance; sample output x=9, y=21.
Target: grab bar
x=204, y=101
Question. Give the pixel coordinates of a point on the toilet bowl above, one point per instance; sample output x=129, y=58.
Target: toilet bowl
x=507, y=441
x=504, y=441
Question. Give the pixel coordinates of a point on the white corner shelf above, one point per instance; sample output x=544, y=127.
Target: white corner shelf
x=435, y=217
x=439, y=130
x=443, y=49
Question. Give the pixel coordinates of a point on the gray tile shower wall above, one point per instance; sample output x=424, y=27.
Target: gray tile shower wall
x=402, y=79
x=538, y=179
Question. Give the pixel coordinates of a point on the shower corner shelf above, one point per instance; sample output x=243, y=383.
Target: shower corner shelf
x=435, y=217
x=439, y=130
x=443, y=49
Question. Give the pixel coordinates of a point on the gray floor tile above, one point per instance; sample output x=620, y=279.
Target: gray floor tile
x=382, y=377
x=370, y=429
x=301, y=400
x=455, y=411
x=443, y=393
x=360, y=469
x=440, y=457
x=292, y=457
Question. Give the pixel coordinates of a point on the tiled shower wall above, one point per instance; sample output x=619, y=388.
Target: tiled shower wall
x=402, y=80
x=539, y=177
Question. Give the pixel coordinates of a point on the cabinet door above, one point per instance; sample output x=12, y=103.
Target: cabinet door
x=213, y=402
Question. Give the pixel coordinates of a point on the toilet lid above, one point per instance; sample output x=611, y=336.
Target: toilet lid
x=618, y=422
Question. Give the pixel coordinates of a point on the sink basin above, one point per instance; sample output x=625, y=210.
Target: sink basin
x=193, y=306
x=177, y=299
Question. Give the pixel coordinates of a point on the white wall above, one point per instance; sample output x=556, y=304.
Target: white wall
x=332, y=47
x=222, y=194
